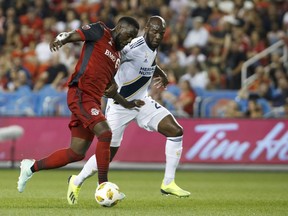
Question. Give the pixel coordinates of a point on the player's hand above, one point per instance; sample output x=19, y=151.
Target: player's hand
x=59, y=41
x=55, y=45
x=135, y=103
x=160, y=81
x=111, y=90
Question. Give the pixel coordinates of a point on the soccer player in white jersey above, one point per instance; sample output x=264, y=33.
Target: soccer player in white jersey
x=137, y=69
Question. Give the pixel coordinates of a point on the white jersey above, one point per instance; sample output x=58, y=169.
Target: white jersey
x=133, y=79
x=136, y=69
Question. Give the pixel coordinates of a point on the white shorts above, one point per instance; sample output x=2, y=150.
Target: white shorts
x=147, y=117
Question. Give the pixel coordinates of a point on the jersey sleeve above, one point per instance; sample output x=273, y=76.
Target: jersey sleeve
x=91, y=32
x=128, y=50
x=126, y=53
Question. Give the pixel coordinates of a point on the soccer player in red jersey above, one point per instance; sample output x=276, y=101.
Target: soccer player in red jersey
x=94, y=72
x=138, y=68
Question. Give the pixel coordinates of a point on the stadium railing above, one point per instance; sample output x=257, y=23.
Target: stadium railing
x=280, y=45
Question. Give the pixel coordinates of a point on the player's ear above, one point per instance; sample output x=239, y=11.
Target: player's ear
x=119, y=28
x=146, y=29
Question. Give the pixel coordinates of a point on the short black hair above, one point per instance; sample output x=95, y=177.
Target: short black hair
x=129, y=20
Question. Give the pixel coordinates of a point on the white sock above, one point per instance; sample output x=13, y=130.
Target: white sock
x=173, y=153
x=89, y=169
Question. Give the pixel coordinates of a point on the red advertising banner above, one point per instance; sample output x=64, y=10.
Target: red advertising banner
x=217, y=141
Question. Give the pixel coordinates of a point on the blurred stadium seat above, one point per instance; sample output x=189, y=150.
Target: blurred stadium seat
x=206, y=100
x=18, y=103
x=50, y=102
x=23, y=102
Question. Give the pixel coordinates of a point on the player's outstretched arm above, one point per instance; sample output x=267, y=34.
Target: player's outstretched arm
x=63, y=38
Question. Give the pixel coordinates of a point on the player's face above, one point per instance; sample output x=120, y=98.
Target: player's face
x=124, y=35
x=154, y=34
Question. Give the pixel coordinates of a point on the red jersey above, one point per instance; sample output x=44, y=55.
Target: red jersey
x=98, y=62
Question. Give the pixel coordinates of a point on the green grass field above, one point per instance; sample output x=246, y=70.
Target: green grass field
x=213, y=193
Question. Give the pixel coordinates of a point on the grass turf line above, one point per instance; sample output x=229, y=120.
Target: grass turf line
x=213, y=193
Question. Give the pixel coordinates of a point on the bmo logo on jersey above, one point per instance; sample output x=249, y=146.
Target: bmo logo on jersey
x=113, y=58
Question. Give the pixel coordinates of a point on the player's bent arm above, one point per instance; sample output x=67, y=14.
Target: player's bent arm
x=63, y=38
x=127, y=104
x=111, y=92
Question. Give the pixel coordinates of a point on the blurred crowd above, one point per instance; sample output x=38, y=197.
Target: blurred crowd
x=204, y=47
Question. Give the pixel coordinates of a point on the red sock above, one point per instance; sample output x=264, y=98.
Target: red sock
x=57, y=159
x=103, y=155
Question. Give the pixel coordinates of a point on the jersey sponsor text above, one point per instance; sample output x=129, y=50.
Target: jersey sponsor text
x=147, y=71
x=110, y=55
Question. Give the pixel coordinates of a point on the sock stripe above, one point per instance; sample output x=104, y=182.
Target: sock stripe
x=175, y=139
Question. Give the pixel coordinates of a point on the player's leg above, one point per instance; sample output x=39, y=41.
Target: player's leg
x=76, y=152
x=173, y=148
x=170, y=128
x=118, y=117
x=154, y=117
x=75, y=181
x=77, y=130
x=90, y=167
x=113, y=113
x=103, y=133
x=102, y=153
x=59, y=158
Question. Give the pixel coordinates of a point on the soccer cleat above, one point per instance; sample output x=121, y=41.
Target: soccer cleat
x=25, y=174
x=173, y=189
x=119, y=199
x=121, y=196
x=73, y=191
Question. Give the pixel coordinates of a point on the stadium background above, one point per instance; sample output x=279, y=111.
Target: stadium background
x=203, y=52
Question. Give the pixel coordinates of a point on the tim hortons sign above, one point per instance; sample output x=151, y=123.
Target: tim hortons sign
x=240, y=142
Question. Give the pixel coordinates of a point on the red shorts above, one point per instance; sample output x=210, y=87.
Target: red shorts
x=86, y=113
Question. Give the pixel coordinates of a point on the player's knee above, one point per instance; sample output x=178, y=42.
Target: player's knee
x=178, y=131
x=173, y=131
x=73, y=156
x=105, y=136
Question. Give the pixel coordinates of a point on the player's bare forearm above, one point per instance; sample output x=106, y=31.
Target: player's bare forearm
x=111, y=89
x=160, y=78
x=127, y=104
x=111, y=92
x=63, y=38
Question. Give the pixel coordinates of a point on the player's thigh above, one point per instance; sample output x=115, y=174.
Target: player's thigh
x=169, y=127
x=118, y=118
x=81, y=138
x=85, y=109
x=117, y=136
x=151, y=114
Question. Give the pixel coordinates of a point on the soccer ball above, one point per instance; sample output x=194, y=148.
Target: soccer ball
x=107, y=194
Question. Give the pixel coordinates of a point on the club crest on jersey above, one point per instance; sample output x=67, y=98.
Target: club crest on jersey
x=94, y=111
x=86, y=27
